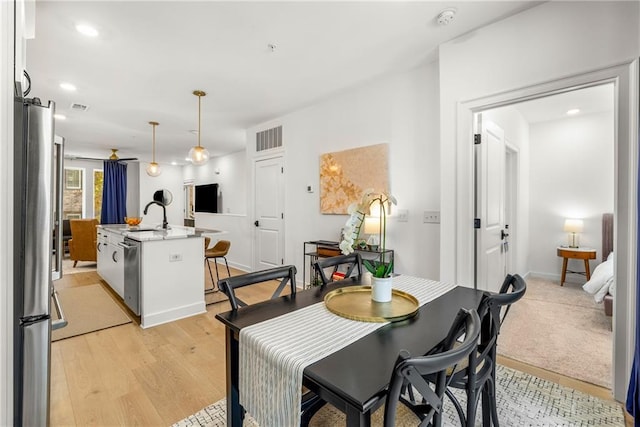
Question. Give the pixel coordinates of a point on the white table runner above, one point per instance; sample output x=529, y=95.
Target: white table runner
x=274, y=353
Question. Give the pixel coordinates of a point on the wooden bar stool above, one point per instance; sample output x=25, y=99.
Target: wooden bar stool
x=219, y=250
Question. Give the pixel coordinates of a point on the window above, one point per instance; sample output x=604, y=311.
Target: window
x=73, y=179
x=73, y=193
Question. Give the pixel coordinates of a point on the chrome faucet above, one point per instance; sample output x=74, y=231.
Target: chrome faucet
x=164, y=211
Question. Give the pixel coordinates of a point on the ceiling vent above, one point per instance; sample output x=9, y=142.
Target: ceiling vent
x=268, y=139
x=79, y=107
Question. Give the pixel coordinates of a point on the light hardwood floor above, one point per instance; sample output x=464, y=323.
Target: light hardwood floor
x=126, y=375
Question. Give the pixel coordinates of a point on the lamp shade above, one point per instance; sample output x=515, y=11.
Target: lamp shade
x=573, y=225
x=372, y=225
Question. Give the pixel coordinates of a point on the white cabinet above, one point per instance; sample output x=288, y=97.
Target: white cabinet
x=111, y=260
x=103, y=265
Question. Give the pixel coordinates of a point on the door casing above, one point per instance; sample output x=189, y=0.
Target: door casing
x=625, y=78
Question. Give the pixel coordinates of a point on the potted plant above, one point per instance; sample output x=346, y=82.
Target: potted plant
x=379, y=269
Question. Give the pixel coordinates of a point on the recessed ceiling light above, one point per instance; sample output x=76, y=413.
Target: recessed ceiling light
x=174, y=163
x=188, y=159
x=67, y=86
x=60, y=116
x=87, y=30
x=573, y=111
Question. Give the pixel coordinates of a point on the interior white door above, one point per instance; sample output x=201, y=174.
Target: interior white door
x=269, y=213
x=491, y=235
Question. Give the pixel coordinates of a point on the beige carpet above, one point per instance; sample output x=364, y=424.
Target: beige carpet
x=87, y=309
x=560, y=329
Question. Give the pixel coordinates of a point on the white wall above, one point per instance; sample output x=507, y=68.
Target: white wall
x=232, y=202
x=230, y=173
x=540, y=44
x=546, y=43
x=170, y=179
x=401, y=110
x=516, y=132
x=6, y=203
x=572, y=161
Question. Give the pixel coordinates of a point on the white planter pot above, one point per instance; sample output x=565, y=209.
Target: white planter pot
x=381, y=289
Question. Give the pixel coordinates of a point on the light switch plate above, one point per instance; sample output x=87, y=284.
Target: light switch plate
x=403, y=215
x=431, y=217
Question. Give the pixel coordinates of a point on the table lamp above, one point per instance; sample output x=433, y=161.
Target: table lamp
x=372, y=228
x=573, y=226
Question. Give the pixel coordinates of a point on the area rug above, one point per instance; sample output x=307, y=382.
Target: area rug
x=522, y=399
x=87, y=309
x=560, y=329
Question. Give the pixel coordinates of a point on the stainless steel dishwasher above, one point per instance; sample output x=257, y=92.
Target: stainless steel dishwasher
x=132, y=273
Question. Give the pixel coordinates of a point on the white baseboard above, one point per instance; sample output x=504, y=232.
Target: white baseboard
x=571, y=277
x=159, y=318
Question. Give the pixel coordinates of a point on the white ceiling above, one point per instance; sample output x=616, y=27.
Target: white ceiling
x=597, y=99
x=151, y=55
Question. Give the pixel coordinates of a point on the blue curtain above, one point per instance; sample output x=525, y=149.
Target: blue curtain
x=633, y=392
x=114, y=193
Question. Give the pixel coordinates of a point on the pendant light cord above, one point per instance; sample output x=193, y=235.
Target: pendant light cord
x=199, y=116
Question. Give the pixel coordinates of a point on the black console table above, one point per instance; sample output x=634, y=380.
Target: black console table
x=315, y=249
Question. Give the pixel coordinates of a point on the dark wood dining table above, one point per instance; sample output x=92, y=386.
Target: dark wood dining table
x=354, y=379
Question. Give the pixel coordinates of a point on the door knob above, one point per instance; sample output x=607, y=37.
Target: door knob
x=503, y=234
x=257, y=223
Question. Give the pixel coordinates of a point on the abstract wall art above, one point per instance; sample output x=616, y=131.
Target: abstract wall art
x=344, y=175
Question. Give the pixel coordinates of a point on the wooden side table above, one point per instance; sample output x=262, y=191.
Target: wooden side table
x=576, y=253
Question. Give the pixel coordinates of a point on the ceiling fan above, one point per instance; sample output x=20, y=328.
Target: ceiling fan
x=113, y=156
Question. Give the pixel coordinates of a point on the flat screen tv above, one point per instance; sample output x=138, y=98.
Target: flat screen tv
x=206, y=198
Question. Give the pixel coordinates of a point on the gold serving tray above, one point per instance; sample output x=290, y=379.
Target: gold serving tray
x=355, y=303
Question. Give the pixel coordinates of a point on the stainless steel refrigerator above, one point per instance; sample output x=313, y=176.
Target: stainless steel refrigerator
x=38, y=169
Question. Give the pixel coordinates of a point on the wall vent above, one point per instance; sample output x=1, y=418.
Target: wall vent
x=79, y=107
x=269, y=139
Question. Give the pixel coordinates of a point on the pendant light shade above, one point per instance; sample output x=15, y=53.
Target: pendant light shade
x=153, y=169
x=198, y=154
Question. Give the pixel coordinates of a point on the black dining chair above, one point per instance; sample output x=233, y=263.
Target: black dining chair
x=414, y=373
x=417, y=373
x=344, y=266
x=286, y=274
x=477, y=377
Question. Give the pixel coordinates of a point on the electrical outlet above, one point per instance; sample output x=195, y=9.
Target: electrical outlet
x=175, y=257
x=432, y=217
x=403, y=215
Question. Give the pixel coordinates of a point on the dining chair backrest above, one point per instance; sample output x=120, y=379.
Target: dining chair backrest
x=286, y=274
x=416, y=372
x=513, y=288
x=481, y=366
x=345, y=265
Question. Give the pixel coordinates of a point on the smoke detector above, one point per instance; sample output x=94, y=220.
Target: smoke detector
x=446, y=16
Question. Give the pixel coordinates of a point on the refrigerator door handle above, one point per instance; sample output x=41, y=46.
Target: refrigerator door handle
x=61, y=322
x=58, y=176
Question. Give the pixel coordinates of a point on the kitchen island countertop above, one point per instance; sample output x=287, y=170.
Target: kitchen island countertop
x=146, y=233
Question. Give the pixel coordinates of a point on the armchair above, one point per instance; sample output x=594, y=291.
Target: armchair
x=82, y=245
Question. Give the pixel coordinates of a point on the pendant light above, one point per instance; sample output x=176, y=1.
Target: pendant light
x=154, y=169
x=198, y=154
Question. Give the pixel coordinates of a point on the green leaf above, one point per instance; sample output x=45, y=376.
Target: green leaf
x=370, y=268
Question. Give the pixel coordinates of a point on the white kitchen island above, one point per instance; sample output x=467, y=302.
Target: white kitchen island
x=158, y=273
